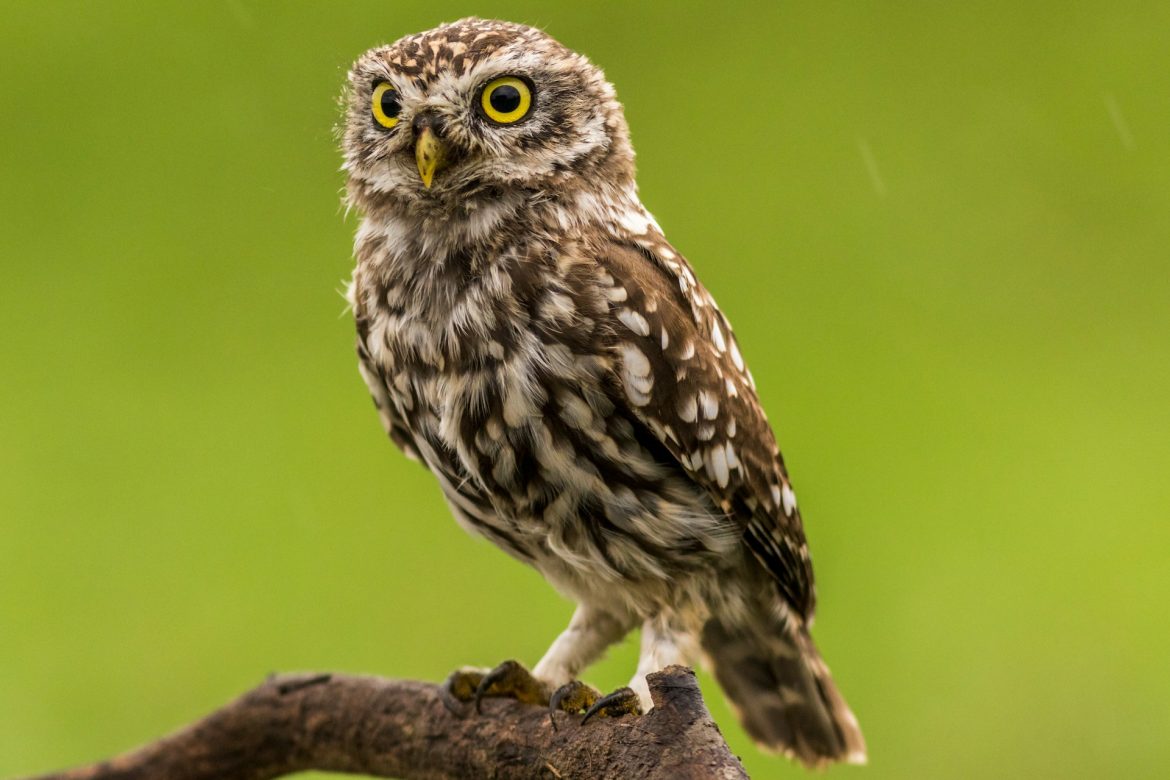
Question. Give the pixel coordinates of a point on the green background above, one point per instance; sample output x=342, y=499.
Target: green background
x=940, y=229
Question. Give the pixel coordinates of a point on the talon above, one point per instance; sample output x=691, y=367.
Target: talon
x=459, y=688
x=491, y=678
x=573, y=696
x=623, y=701
x=511, y=679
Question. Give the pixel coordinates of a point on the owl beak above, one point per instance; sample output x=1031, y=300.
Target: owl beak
x=430, y=154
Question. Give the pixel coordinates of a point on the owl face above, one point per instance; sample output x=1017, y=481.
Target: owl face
x=476, y=108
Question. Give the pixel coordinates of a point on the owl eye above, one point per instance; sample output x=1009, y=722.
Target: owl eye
x=385, y=105
x=506, y=100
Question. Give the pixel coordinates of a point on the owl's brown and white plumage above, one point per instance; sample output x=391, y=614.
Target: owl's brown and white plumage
x=528, y=333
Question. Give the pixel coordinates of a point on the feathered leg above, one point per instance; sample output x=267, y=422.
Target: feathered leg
x=591, y=631
x=662, y=645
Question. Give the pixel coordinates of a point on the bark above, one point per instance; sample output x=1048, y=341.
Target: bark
x=401, y=729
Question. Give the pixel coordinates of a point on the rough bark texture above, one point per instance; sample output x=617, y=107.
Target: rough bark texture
x=389, y=728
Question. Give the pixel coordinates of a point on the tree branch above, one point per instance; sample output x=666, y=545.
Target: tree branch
x=391, y=728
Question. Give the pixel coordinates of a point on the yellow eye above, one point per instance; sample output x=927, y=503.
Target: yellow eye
x=385, y=105
x=506, y=100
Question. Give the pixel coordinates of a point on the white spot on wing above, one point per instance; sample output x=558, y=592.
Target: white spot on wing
x=789, y=499
x=638, y=223
x=718, y=461
x=710, y=405
x=735, y=356
x=634, y=321
x=717, y=337
x=636, y=375
x=732, y=458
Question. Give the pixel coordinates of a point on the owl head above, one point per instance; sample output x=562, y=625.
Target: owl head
x=476, y=110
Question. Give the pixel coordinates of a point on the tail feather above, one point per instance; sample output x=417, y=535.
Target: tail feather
x=782, y=691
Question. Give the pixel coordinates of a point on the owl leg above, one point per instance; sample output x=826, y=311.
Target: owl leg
x=663, y=644
x=589, y=633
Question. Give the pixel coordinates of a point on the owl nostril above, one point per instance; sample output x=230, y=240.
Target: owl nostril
x=423, y=121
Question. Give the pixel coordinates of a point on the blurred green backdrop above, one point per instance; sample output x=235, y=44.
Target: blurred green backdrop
x=940, y=229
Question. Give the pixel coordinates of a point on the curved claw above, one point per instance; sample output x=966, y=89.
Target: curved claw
x=450, y=702
x=573, y=696
x=623, y=701
x=491, y=678
x=458, y=688
x=559, y=695
x=511, y=679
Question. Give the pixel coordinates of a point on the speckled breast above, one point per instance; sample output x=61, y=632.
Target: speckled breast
x=508, y=392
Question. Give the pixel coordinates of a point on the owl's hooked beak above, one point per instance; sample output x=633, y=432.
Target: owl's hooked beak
x=430, y=154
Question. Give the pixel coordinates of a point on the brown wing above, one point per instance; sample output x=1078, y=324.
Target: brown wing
x=683, y=376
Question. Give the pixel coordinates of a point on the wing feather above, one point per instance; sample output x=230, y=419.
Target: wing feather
x=684, y=377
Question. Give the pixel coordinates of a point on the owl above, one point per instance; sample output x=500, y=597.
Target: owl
x=530, y=336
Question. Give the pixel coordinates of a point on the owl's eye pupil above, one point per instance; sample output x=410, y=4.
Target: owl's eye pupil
x=505, y=99
x=390, y=104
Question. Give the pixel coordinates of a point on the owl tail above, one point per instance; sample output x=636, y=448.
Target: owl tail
x=782, y=691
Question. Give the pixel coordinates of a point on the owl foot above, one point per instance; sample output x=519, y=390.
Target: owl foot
x=573, y=697
x=623, y=701
x=577, y=696
x=459, y=688
x=509, y=679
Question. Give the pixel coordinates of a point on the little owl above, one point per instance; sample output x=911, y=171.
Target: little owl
x=530, y=336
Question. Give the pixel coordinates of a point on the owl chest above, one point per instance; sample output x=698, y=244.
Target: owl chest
x=493, y=387
x=514, y=430
x=515, y=410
